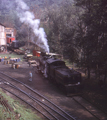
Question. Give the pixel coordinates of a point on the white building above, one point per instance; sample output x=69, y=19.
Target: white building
x=5, y=32
x=2, y=35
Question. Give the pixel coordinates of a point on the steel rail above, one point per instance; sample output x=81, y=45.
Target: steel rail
x=39, y=95
x=35, y=99
x=86, y=109
x=25, y=102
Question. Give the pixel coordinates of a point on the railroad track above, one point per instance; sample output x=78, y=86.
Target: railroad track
x=96, y=113
x=33, y=98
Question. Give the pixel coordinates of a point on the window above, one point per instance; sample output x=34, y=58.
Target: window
x=8, y=35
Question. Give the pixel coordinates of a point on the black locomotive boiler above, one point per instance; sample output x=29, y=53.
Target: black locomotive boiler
x=57, y=72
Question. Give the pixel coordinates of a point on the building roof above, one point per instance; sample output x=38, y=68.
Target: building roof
x=2, y=25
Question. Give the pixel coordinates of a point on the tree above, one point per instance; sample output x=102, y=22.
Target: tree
x=93, y=32
x=60, y=28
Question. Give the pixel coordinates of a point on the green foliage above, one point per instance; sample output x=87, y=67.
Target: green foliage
x=92, y=33
x=60, y=29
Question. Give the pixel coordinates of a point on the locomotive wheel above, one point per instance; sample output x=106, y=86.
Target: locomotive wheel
x=49, y=77
x=63, y=89
x=52, y=80
x=55, y=82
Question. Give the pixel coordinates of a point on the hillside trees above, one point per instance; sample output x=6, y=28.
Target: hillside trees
x=60, y=29
x=79, y=30
x=93, y=40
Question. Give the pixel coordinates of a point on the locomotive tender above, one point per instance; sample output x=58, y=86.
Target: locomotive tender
x=57, y=72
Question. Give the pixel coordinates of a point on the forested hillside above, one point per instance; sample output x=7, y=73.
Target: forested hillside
x=7, y=7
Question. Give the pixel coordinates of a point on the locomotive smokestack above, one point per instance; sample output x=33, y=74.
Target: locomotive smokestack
x=28, y=17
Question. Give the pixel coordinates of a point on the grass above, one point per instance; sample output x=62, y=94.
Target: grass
x=68, y=63
x=21, y=110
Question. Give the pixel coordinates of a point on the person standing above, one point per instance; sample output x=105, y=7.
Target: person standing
x=30, y=75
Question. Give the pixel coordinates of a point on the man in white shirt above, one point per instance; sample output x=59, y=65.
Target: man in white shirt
x=30, y=75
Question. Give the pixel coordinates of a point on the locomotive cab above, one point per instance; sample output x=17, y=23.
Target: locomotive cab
x=52, y=65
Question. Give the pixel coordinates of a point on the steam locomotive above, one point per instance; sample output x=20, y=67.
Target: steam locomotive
x=68, y=80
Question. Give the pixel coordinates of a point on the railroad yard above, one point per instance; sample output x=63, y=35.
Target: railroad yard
x=53, y=60
x=44, y=98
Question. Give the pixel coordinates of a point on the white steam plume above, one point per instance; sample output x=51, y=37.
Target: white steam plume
x=28, y=17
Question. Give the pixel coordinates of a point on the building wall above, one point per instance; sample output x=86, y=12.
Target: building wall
x=2, y=35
